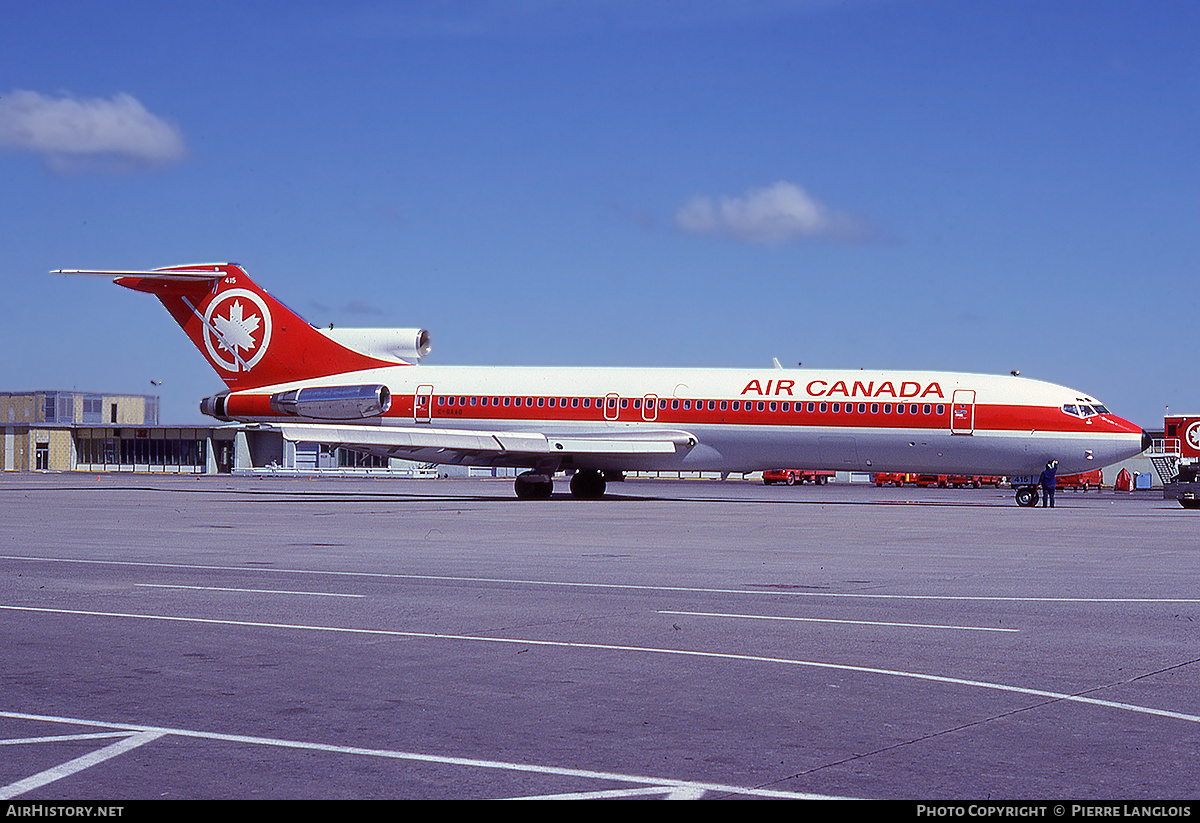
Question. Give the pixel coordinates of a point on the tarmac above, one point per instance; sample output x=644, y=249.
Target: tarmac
x=214, y=637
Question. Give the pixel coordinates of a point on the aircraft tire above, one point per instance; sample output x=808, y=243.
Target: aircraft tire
x=587, y=485
x=531, y=486
x=1027, y=496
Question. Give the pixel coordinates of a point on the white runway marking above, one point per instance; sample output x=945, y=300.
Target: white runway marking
x=834, y=620
x=139, y=734
x=784, y=589
x=131, y=740
x=815, y=664
x=246, y=591
x=671, y=792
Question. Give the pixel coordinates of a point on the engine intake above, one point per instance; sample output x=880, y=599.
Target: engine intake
x=334, y=402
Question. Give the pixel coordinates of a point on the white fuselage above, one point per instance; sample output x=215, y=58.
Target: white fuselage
x=746, y=420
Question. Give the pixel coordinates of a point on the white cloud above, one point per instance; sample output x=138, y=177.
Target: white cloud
x=79, y=133
x=775, y=214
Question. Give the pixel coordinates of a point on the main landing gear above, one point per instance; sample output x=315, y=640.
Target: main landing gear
x=534, y=486
x=586, y=484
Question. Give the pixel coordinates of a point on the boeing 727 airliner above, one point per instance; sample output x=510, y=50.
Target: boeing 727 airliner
x=364, y=389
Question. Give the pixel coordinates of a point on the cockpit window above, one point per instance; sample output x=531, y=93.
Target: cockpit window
x=1100, y=409
x=1086, y=411
x=1069, y=409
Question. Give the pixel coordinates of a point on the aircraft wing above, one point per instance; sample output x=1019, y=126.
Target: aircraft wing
x=486, y=448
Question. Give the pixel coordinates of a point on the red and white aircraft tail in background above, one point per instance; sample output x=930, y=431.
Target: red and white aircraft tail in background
x=363, y=389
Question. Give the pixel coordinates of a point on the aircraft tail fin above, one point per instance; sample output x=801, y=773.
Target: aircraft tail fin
x=249, y=337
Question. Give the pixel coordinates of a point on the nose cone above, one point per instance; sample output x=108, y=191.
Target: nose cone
x=1147, y=440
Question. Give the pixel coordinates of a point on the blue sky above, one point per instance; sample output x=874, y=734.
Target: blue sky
x=967, y=186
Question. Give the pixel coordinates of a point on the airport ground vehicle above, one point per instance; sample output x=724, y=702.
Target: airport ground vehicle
x=1084, y=481
x=942, y=481
x=1177, y=457
x=975, y=481
x=793, y=476
x=363, y=389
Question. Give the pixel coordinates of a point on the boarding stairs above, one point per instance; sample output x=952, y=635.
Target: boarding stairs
x=1164, y=456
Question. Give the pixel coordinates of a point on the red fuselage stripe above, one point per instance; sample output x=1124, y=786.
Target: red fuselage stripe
x=874, y=415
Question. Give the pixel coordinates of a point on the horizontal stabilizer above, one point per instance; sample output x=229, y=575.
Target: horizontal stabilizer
x=181, y=274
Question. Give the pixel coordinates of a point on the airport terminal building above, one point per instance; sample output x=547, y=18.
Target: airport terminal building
x=105, y=432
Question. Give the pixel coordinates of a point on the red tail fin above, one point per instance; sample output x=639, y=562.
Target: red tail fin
x=249, y=337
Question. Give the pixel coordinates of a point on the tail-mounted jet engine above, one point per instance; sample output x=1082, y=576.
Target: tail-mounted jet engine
x=401, y=345
x=334, y=402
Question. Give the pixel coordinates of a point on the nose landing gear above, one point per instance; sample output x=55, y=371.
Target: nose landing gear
x=1027, y=496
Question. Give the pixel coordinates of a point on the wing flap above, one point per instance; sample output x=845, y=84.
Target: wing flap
x=466, y=446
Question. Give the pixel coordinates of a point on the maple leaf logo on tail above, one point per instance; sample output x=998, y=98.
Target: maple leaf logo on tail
x=231, y=322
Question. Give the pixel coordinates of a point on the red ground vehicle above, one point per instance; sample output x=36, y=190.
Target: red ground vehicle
x=794, y=476
x=895, y=478
x=942, y=481
x=959, y=481
x=1081, y=482
x=1177, y=459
